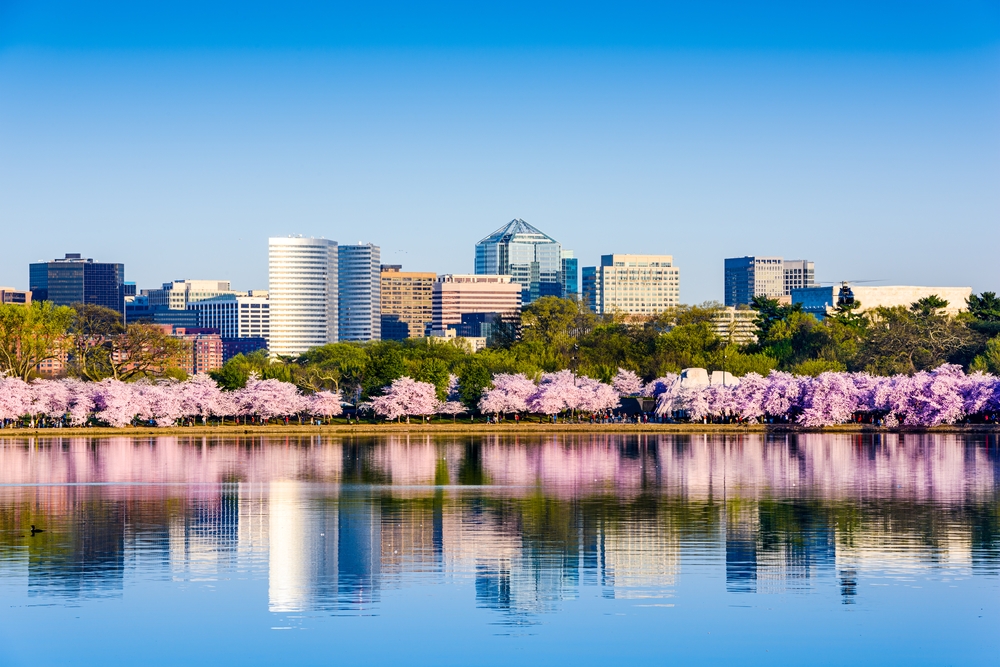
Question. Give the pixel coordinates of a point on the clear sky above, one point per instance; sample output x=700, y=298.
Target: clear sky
x=177, y=136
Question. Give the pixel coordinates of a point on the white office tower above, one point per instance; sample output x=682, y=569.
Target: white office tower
x=236, y=316
x=360, y=288
x=302, y=285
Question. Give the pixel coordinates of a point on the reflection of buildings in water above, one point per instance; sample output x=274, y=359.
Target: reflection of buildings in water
x=302, y=550
x=204, y=539
x=639, y=560
x=898, y=503
x=324, y=553
x=359, y=550
x=411, y=537
x=83, y=555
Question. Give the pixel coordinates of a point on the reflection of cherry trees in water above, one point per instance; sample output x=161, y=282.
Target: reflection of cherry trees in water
x=545, y=515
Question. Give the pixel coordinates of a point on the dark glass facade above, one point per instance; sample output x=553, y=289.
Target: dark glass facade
x=72, y=280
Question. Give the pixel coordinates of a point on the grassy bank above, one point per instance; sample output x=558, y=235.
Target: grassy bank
x=443, y=427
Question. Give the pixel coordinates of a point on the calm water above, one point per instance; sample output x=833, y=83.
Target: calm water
x=821, y=549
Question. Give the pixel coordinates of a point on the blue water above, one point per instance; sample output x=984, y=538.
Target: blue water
x=603, y=549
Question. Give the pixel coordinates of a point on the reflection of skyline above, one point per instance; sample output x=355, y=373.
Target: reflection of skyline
x=543, y=521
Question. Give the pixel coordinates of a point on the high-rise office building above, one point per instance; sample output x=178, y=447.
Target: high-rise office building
x=632, y=284
x=455, y=295
x=799, y=274
x=73, y=279
x=236, y=316
x=302, y=286
x=407, y=302
x=773, y=277
x=360, y=287
x=179, y=294
x=533, y=259
x=570, y=275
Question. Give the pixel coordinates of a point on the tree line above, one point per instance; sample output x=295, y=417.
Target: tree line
x=549, y=336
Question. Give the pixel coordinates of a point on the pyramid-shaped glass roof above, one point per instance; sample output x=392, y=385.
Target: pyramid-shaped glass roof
x=520, y=231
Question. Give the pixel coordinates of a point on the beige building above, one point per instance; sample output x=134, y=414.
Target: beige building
x=455, y=295
x=632, y=284
x=821, y=301
x=179, y=294
x=736, y=325
x=407, y=302
x=18, y=296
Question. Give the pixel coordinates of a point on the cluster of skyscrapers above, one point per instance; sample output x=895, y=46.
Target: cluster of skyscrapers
x=321, y=292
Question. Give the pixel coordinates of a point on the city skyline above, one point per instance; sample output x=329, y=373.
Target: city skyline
x=849, y=134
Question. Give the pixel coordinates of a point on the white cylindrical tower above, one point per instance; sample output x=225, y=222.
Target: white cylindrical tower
x=302, y=284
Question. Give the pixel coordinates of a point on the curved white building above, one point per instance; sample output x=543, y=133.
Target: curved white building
x=302, y=283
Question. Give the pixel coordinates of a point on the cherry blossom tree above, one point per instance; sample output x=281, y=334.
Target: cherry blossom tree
x=113, y=402
x=81, y=401
x=405, y=396
x=627, y=383
x=268, y=399
x=15, y=398
x=509, y=393
x=783, y=394
x=748, y=396
x=326, y=404
x=50, y=398
x=830, y=398
x=201, y=397
x=596, y=396
x=660, y=385
x=555, y=393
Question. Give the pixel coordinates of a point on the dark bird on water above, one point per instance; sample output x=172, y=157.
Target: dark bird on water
x=35, y=531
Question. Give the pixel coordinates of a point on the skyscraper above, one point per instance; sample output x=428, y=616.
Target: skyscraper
x=302, y=277
x=533, y=259
x=570, y=275
x=632, y=284
x=773, y=277
x=799, y=274
x=360, y=288
x=406, y=302
x=456, y=295
x=73, y=279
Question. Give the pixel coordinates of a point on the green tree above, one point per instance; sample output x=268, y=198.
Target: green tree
x=386, y=363
x=337, y=366
x=989, y=360
x=474, y=376
x=985, y=307
x=929, y=305
x=236, y=371
x=30, y=335
x=907, y=340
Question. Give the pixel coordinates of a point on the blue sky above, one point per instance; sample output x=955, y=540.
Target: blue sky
x=177, y=137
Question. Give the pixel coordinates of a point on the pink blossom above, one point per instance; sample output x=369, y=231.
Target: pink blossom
x=595, y=396
x=406, y=396
x=509, y=393
x=627, y=383
x=326, y=404
x=15, y=398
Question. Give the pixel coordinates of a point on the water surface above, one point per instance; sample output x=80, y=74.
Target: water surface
x=496, y=550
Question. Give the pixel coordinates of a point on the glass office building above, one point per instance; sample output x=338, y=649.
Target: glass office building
x=74, y=279
x=533, y=259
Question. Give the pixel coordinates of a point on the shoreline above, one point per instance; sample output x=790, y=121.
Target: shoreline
x=480, y=429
